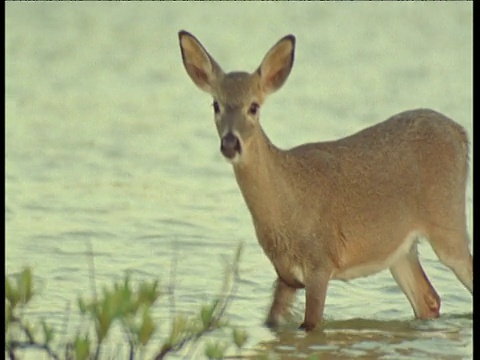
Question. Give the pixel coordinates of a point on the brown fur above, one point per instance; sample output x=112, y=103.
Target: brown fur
x=346, y=208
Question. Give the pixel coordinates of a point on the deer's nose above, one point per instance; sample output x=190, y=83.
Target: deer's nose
x=230, y=145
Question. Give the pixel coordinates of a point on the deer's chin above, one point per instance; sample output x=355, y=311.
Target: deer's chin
x=235, y=159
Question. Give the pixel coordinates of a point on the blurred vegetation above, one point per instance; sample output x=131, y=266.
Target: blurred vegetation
x=130, y=308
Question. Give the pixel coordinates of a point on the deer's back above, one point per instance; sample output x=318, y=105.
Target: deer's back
x=410, y=148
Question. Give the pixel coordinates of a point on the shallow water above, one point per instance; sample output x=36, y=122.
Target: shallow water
x=109, y=144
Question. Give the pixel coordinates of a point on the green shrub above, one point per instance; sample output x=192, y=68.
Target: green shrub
x=124, y=305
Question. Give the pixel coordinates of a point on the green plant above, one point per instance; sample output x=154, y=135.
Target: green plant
x=124, y=305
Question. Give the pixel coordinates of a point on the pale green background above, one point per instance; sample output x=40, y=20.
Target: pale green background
x=108, y=142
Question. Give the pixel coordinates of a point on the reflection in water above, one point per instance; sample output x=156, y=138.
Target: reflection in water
x=371, y=339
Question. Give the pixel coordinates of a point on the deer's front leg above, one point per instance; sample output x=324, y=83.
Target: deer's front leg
x=283, y=297
x=316, y=284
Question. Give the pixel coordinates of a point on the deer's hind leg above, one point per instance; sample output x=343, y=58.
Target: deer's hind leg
x=412, y=280
x=452, y=250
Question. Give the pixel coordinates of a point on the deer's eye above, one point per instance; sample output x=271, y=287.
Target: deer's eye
x=253, y=109
x=216, y=107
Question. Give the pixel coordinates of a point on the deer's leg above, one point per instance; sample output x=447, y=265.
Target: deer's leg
x=283, y=298
x=452, y=250
x=462, y=267
x=410, y=277
x=316, y=284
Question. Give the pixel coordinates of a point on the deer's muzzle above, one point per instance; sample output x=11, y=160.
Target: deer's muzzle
x=230, y=145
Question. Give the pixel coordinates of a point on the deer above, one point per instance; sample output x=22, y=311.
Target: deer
x=341, y=209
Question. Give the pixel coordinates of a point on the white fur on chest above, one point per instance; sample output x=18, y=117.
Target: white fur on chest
x=375, y=266
x=298, y=275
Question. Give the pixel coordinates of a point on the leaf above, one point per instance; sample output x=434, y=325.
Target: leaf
x=25, y=285
x=11, y=293
x=239, y=337
x=206, y=315
x=103, y=322
x=147, y=328
x=123, y=299
x=82, y=348
x=215, y=350
x=148, y=293
x=179, y=325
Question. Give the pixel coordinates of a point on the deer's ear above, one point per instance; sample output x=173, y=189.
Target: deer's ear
x=277, y=64
x=200, y=66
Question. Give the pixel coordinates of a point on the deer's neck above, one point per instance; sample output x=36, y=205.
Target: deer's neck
x=261, y=179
